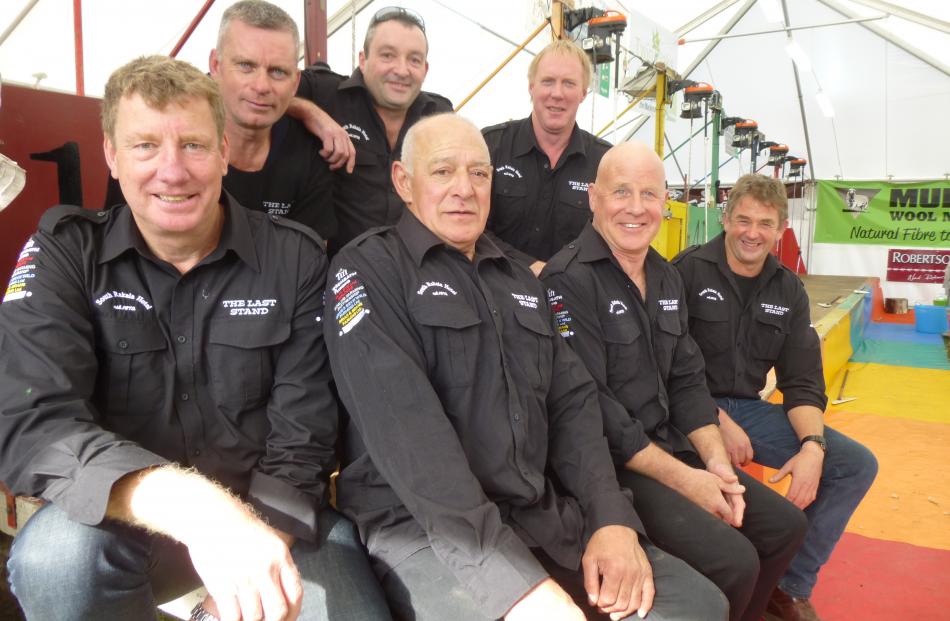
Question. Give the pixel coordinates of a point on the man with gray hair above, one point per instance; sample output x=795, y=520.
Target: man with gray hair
x=475, y=464
x=166, y=388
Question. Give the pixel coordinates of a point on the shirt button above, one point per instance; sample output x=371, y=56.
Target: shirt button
x=101, y=214
x=517, y=416
x=181, y=339
x=494, y=311
x=196, y=452
x=274, y=217
x=546, y=166
x=184, y=396
x=525, y=474
x=537, y=229
x=123, y=344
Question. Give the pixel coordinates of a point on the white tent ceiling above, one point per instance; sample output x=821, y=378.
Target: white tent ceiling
x=890, y=107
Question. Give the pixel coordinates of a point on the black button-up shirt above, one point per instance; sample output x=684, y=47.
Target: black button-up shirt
x=740, y=340
x=366, y=197
x=534, y=207
x=113, y=361
x=647, y=368
x=465, y=411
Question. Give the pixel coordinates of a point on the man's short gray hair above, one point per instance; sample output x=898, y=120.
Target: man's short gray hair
x=409, y=142
x=258, y=14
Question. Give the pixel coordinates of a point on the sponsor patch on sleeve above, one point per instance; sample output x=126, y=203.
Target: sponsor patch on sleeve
x=23, y=273
x=563, y=321
x=349, y=300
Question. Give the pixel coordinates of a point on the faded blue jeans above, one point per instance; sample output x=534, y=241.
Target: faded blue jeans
x=61, y=570
x=848, y=471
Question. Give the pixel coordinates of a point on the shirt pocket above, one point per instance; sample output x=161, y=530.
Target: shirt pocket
x=573, y=212
x=450, y=340
x=620, y=343
x=669, y=331
x=768, y=336
x=131, y=378
x=709, y=326
x=535, y=338
x=509, y=204
x=241, y=360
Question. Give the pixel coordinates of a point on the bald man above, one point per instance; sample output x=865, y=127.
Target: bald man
x=619, y=304
x=476, y=466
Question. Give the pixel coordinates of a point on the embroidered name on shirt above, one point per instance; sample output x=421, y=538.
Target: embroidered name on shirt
x=579, y=186
x=275, y=208
x=356, y=132
x=669, y=305
x=248, y=307
x=711, y=294
x=22, y=273
x=436, y=288
x=349, y=300
x=119, y=300
x=774, y=309
x=509, y=171
x=617, y=307
x=562, y=318
x=528, y=301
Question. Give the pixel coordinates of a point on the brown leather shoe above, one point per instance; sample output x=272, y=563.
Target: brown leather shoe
x=783, y=607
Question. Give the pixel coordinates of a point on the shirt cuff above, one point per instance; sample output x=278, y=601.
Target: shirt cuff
x=613, y=509
x=792, y=400
x=283, y=506
x=86, y=497
x=505, y=576
x=701, y=412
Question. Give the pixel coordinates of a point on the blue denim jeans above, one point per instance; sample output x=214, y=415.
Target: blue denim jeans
x=61, y=570
x=848, y=471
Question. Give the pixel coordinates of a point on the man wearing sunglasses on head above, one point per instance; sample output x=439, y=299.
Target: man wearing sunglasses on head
x=375, y=106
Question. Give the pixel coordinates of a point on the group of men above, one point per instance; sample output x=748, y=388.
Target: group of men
x=508, y=446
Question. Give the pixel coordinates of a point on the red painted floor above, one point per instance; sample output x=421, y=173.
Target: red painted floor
x=874, y=580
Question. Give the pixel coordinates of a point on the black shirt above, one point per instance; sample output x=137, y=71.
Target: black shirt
x=740, y=340
x=295, y=181
x=647, y=368
x=474, y=429
x=112, y=361
x=535, y=208
x=366, y=197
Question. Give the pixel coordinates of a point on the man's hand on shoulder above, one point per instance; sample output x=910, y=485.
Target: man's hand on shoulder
x=618, y=577
x=244, y=563
x=545, y=601
x=338, y=149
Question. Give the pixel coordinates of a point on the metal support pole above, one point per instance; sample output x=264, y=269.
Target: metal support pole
x=530, y=38
x=16, y=20
x=77, y=41
x=685, y=142
x=801, y=102
x=315, y=30
x=191, y=28
x=661, y=101
x=625, y=110
x=712, y=197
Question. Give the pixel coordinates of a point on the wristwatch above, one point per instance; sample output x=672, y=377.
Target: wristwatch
x=198, y=613
x=819, y=440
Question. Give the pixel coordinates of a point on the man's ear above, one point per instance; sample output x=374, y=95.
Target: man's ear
x=109, y=150
x=214, y=63
x=402, y=181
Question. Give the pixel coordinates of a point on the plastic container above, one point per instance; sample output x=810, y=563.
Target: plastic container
x=940, y=301
x=930, y=319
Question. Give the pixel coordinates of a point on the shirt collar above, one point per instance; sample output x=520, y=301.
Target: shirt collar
x=525, y=140
x=356, y=80
x=420, y=240
x=591, y=247
x=123, y=234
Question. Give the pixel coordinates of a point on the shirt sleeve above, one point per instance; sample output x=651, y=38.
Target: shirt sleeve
x=292, y=477
x=380, y=370
x=317, y=84
x=576, y=321
x=691, y=405
x=54, y=444
x=798, y=369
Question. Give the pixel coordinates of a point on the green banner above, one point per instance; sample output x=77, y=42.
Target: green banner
x=603, y=79
x=878, y=212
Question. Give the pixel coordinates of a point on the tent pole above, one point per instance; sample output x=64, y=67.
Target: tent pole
x=881, y=32
x=699, y=20
x=912, y=16
x=712, y=196
x=725, y=30
x=661, y=100
x=16, y=20
x=77, y=43
x=191, y=28
x=801, y=102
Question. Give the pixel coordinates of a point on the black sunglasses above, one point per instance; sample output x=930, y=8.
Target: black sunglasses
x=397, y=12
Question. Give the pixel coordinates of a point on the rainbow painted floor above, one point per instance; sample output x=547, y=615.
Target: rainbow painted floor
x=893, y=563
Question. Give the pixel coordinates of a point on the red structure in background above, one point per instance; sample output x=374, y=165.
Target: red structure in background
x=789, y=253
x=34, y=121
